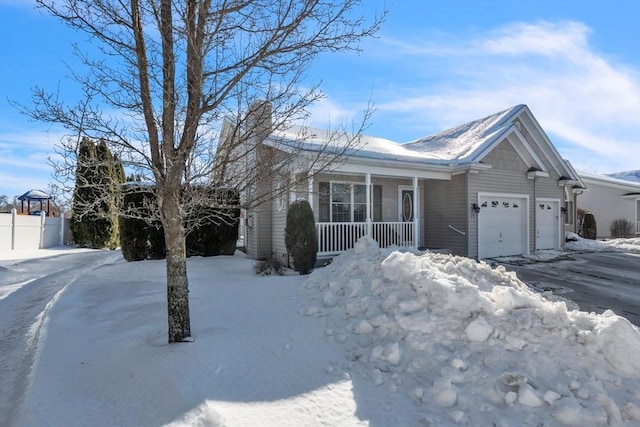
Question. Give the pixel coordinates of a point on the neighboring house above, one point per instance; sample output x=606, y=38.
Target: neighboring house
x=610, y=199
x=492, y=187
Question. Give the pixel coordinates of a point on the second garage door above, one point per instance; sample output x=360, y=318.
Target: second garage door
x=502, y=226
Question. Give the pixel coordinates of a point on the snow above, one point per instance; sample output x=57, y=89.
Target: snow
x=13, y=256
x=633, y=176
x=313, y=139
x=378, y=337
x=463, y=140
x=577, y=243
x=456, y=144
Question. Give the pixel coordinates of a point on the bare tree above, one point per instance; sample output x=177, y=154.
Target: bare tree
x=165, y=75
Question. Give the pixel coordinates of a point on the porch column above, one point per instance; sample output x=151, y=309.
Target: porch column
x=367, y=181
x=310, y=196
x=416, y=212
x=292, y=189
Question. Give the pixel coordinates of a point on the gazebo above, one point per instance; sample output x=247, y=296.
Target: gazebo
x=34, y=195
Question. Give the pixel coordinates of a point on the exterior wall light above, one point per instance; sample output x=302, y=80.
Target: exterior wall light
x=475, y=208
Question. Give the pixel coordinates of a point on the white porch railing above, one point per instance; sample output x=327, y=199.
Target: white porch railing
x=335, y=237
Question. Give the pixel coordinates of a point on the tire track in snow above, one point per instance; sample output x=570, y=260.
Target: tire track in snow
x=22, y=335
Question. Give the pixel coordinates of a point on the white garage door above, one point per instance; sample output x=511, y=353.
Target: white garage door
x=502, y=226
x=547, y=224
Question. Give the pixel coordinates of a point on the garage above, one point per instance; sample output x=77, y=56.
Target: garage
x=502, y=225
x=547, y=224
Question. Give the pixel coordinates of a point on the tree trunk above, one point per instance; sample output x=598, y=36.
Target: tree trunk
x=177, y=281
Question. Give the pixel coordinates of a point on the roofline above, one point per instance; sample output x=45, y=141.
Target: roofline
x=552, y=147
x=609, y=181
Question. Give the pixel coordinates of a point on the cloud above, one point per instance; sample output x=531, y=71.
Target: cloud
x=586, y=102
x=24, y=160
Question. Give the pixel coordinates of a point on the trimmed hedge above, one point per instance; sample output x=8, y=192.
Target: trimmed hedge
x=216, y=235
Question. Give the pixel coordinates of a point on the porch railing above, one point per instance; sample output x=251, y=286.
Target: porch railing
x=335, y=237
x=637, y=227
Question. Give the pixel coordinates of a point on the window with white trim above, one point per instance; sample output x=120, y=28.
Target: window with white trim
x=346, y=202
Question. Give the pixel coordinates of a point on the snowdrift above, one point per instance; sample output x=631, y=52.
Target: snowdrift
x=474, y=345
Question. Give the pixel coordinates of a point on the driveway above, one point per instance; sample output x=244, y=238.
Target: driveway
x=26, y=295
x=595, y=281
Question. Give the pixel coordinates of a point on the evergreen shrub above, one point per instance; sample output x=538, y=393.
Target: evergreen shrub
x=300, y=236
x=589, y=228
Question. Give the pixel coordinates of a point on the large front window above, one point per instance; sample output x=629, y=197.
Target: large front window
x=348, y=202
x=345, y=202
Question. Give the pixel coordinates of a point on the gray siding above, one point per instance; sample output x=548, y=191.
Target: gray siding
x=545, y=153
x=445, y=205
x=509, y=175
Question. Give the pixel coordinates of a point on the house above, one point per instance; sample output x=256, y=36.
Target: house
x=610, y=199
x=492, y=187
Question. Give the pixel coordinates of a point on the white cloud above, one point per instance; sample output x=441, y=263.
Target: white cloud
x=588, y=104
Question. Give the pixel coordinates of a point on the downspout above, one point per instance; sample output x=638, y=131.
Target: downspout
x=535, y=217
x=468, y=215
x=416, y=214
x=368, y=201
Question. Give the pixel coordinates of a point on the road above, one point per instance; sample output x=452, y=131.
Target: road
x=28, y=290
x=595, y=281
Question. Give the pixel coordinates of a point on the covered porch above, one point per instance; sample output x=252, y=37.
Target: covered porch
x=385, y=205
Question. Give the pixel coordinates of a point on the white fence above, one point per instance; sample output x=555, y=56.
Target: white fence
x=335, y=237
x=23, y=232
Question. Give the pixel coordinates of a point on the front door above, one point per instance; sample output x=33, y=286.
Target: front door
x=406, y=213
x=406, y=205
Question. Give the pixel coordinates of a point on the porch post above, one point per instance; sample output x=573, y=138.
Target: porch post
x=416, y=213
x=292, y=189
x=368, y=212
x=310, y=196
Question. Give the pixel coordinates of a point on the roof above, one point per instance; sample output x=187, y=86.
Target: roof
x=34, y=195
x=461, y=146
x=455, y=145
x=462, y=142
x=313, y=139
x=594, y=178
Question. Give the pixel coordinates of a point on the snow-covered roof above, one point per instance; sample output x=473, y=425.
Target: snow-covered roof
x=313, y=139
x=462, y=142
x=34, y=195
x=455, y=145
x=609, y=181
x=633, y=176
x=464, y=145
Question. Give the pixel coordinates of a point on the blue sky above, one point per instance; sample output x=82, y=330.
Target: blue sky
x=436, y=64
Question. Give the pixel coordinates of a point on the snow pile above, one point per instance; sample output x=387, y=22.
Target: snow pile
x=473, y=345
x=576, y=243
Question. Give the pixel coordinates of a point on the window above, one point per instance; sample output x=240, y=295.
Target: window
x=340, y=202
x=345, y=202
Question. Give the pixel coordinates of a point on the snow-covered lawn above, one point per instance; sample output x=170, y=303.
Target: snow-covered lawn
x=377, y=338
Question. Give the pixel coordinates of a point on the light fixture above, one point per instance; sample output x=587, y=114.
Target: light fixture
x=475, y=208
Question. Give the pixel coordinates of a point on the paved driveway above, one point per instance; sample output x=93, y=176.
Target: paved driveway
x=595, y=281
